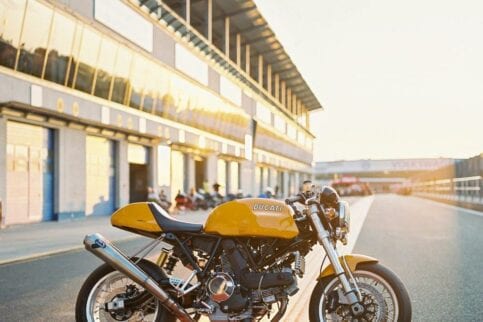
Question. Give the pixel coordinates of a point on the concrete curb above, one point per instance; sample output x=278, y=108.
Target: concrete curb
x=30, y=257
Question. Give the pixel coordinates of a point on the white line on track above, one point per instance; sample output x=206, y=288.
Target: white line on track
x=445, y=205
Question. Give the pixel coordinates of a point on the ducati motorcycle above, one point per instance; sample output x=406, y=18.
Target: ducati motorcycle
x=242, y=264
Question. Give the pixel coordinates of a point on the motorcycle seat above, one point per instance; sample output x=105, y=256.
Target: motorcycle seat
x=169, y=224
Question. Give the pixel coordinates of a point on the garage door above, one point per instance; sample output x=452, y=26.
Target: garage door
x=30, y=173
x=100, y=176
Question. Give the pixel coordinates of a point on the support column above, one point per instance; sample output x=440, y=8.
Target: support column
x=3, y=170
x=122, y=175
x=289, y=100
x=188, y=12
x=285, y=183
x=210, y=21
x=248, y=177
x=211, y=169
x=238, y=50
x=260, y=70
x=191, y=173
x=70, y=170
x=277, y=87
x=284, y=95
x=269, y=79
x=247, y=59
x=227, y=37
x=153, y=168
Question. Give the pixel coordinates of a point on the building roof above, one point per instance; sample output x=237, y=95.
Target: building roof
x=255, y=29
x=246, y=19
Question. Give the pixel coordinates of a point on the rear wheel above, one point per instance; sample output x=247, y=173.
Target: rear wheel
x=106, y=285
x=384, y=297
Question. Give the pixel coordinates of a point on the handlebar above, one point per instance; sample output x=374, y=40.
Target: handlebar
x=294, y=199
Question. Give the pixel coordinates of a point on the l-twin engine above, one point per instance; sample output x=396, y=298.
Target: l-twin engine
x=236, y=292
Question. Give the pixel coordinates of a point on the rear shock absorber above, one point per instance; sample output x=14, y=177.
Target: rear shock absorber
x=170, y=264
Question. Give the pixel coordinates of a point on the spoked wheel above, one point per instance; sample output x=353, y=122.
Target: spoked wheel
x=105, y=287
x=384, y=297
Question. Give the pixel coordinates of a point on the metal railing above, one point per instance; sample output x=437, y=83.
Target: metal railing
x=466, y=189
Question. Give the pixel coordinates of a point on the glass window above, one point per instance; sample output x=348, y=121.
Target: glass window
x=162, y=87
x=105, y=68
x=153, y=79
x=35, y=34
x=121, y=74
x=11, y=14
x=79, y=30
x=60, y=46
x=86, y=65
x=138, y=79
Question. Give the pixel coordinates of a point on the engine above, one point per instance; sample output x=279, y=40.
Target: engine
x=236, y=292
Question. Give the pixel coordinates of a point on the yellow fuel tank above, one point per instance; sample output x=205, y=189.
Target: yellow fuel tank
x=252, y=217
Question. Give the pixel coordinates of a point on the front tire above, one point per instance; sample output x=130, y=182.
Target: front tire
x=384, y=296
x=104, y=284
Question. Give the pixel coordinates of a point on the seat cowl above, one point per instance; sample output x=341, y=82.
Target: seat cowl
x=169, y=224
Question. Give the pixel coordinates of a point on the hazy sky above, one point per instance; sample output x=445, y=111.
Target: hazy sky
x=397, y=78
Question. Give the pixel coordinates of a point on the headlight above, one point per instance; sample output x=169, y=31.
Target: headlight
x=344, y=216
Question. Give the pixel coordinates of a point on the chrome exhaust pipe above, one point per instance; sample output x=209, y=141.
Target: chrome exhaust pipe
x=105, y=250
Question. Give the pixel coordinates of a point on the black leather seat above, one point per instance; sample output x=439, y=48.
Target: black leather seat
x=170, y=225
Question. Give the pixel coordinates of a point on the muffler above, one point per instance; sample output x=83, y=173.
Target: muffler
x=105, y=250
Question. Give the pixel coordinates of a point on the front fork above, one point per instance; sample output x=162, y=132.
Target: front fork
x=324, y=239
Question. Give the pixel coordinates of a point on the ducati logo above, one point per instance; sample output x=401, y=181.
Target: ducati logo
x=263, y=207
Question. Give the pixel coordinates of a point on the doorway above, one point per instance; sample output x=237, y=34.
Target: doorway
x=200, y=171
x=138, y=182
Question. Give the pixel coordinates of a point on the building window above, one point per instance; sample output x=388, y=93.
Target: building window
x=34, y=38
x=105, y=68
x=60, y=46
x=121, y=74
x=87, y=60
x=11, y=14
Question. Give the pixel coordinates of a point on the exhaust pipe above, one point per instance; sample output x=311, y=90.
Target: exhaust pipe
x=105, y=250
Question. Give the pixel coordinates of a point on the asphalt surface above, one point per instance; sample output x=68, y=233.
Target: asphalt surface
x=46, y=289
x=434, y=249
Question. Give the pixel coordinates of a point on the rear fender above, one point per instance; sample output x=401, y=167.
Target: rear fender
x=352, y=261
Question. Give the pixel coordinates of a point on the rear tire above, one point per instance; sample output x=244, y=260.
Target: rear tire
x=364, y=274
x=84, y=310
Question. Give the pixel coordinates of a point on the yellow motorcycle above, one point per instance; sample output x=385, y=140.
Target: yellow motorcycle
x=241, y=265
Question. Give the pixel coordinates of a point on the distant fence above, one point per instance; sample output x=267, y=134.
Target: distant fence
x=467, y=191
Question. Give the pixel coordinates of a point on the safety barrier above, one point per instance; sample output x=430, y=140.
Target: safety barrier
x=464, y=190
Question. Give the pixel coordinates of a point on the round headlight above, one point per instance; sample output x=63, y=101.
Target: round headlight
x=344, y=216
x=328, y=197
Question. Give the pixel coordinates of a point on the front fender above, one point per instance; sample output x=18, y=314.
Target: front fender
x=352, y=261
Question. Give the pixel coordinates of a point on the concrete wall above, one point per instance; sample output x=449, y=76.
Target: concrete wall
x=70, y=170
x=213, y=80
x=163, y=47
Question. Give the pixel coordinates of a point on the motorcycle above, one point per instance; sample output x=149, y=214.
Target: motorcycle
x=243, y=264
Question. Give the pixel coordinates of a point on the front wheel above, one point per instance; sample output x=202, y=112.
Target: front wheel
x=384, y=297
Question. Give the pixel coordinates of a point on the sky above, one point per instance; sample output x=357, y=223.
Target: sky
x=397, y=79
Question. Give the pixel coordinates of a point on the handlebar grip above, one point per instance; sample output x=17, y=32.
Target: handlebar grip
x=291, y=200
